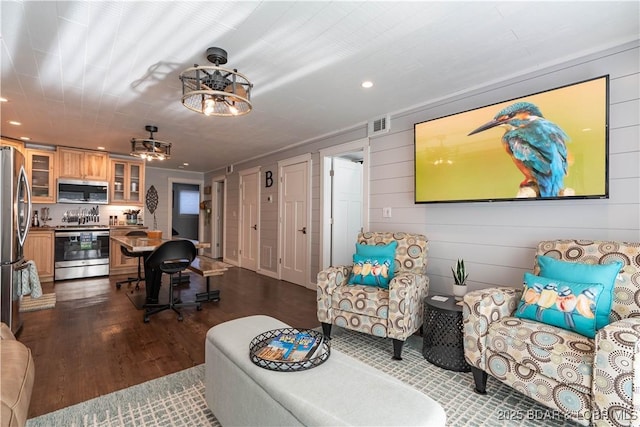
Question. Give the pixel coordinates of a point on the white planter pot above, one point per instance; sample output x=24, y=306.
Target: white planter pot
x=459, y=291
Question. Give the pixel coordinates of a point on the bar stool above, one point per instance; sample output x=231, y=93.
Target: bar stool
x=139, y=255
x=171, y=257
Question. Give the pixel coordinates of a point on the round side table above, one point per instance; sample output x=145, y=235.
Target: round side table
x=442, y=334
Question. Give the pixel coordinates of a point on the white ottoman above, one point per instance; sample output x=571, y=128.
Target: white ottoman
x=341, y=391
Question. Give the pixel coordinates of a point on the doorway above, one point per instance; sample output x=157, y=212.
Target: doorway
x=346, y=206
x=184, y=215
x=249, y=218
x=294, y=232
x=344, y=200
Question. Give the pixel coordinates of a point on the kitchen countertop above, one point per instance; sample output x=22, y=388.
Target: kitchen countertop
x=47, y=228
x=89, y=226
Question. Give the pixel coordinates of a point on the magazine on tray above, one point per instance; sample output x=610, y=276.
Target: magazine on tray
x=293, y=347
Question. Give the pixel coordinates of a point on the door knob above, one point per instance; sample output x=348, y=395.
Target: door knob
x=255, y=227
x=304, y=230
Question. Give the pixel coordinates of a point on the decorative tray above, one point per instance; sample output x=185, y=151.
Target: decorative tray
x=319, y=356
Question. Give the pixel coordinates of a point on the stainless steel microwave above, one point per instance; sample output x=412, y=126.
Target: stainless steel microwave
x=78, y=191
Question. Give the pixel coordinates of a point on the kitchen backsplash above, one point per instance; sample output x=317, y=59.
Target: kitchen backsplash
x=57, y=211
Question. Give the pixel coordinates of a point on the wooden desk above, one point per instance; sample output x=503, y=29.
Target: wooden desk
x=207, y=267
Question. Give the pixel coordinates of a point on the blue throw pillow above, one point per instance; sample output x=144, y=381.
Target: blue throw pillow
x=584, y=273
x=567, y=305
x=371, y=271
x=388, y=250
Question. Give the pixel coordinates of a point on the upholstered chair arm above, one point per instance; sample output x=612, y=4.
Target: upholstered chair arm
x=406, y=298
x=5, y=332
x=328, y=280
x=480, y=309
x=616, y=374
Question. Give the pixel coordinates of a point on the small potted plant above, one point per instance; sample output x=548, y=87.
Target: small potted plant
x=131, y=216
x=460, y=280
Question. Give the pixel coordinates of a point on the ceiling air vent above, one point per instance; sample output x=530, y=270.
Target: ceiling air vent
x=379, y=126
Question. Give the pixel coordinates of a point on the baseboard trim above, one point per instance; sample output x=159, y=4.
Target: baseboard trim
x=268, y=273
x=230, y=261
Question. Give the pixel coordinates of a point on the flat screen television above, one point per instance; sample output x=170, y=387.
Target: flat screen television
x=551, y=145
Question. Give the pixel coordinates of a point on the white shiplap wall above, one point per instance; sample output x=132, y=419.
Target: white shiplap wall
x=496, y=240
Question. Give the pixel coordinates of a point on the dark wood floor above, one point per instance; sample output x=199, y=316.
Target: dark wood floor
x=95, y=342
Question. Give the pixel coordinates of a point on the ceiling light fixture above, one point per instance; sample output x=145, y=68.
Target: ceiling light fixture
x=150, y=148
x=216, y=91
x=367, y=84
x=14, y=123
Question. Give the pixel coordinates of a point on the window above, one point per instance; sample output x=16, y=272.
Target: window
x=189, y=202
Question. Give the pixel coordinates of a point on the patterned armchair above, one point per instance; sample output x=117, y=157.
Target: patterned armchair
x=395, y=312
x=588, y=380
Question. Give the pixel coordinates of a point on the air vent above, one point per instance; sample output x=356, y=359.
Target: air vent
x=379, y=126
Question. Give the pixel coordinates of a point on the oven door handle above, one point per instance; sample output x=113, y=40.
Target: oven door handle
x=78, y=233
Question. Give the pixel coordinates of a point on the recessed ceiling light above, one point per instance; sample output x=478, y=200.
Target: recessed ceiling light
x=2, y=99
x=367, y=84
x=25, y=138
x=180, y=167
x=13, y=122
x=186, y=164
x=100, y=148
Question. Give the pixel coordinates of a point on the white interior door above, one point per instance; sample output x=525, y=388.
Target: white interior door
x=346, y=192
x=295, y=231
x=336, y=244
x=249, y=238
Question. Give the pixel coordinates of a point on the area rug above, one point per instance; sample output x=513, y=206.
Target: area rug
x=178, y=399
x=33, y=304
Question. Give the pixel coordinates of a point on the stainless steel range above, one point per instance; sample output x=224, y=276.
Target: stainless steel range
x=81, y=251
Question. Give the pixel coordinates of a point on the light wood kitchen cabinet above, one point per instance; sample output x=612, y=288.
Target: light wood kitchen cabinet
x=41, y=173
x=82, y=164
x=15, y=144
x=118, y=262
x=127, y=182
x=39, y=248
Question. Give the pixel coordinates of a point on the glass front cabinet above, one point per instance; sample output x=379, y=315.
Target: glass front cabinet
x=40, y=167
x=127, y=182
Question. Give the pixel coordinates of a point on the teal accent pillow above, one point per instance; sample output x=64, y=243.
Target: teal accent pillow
x=388, y=250
x=584, y=273
x=567, y=305
x=371, y=271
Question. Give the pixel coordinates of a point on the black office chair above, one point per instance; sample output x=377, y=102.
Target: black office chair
x=139, y=255
x=173, y=256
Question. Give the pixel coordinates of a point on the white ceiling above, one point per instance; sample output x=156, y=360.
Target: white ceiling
x=89, y=74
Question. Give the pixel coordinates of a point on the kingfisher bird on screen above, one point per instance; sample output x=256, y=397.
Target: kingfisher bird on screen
x=537, y=146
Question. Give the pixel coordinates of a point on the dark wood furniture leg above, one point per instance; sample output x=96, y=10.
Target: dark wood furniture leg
x=397, y=349
x=210, y=295
x=326, y=330
x=480, y=378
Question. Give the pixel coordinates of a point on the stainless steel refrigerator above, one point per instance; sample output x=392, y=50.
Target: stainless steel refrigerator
x=15, y=216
